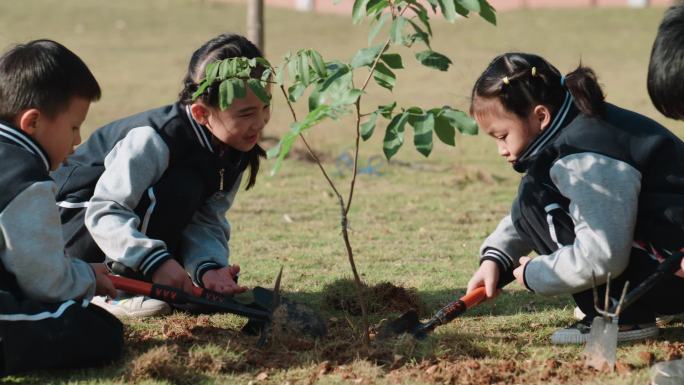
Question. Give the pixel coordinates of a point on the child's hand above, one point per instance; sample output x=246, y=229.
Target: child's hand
x=103, y=285
x=223, y=280
x=171, y=273
x=488, y=276
x=519, y=272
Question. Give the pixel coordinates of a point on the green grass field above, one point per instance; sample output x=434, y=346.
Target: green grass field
x=418, y=225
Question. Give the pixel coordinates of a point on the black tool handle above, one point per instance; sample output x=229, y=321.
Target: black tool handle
x=668, y=267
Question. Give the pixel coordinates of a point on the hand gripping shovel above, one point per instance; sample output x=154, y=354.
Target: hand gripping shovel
x=410, y=323
x=267, y=308
x=601, y=349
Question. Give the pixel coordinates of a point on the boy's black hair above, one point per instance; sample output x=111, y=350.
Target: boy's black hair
x=45, y=75
x=666, y=68
x=521, y=81
x=224, y=46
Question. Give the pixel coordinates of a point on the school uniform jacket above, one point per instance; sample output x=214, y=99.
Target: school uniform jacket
x=32, y=260
x=592, y=189
x=114, y=170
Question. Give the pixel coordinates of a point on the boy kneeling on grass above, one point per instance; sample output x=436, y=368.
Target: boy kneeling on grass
x=46, y=320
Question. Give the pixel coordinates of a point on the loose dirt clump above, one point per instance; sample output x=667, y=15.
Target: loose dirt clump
x=162, y=362
x=381, y=298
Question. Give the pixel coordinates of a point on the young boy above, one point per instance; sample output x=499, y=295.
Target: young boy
x=666, y=77
x=46, y=320
x=666, y=68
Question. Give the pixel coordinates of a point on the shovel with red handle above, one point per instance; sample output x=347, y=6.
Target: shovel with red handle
x=410, y=323
x=204, y=297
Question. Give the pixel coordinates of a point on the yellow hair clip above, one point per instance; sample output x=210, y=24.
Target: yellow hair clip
x=506, y=81
x=534, y=71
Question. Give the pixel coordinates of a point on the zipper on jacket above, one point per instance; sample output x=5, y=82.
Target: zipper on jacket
x=221, y=172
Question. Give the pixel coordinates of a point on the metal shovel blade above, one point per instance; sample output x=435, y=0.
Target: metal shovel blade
x=601, y=350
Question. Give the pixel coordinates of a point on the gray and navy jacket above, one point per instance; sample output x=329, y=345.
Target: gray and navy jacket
x=593, y=188
x=116, y=168
x=32, y=260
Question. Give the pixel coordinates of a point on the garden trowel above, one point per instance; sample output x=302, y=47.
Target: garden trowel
x=601, y=349
x=409, y=322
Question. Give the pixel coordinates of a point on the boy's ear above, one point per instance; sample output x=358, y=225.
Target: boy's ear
x=28, y=121
x=543, y=115
x=200, y=112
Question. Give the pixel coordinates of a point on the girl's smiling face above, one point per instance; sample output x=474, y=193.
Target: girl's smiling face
x=512, y=133
x=239, y=126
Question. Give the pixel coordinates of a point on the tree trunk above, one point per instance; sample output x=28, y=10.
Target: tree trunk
x=255, y=23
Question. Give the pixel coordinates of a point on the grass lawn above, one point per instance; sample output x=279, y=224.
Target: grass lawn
x=418, y=225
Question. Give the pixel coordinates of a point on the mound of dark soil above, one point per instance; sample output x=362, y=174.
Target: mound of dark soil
x=381, y=298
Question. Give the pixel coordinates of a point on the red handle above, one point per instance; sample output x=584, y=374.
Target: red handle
x=130, y=285
x=475, y=297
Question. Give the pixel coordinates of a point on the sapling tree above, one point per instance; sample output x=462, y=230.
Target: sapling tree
x=336, y=88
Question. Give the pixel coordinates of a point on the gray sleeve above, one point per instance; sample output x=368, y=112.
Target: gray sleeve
x=204, y=243
x=134, y=164
x=32, y=248
x=603, y=194
x=504, y=246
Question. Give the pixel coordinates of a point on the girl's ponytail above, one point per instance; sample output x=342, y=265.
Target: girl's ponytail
x=520, y=81
x=585, y=90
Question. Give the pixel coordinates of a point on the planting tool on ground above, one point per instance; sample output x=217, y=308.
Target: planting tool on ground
x=601, y=349
x=267, y=310
x=409, y=322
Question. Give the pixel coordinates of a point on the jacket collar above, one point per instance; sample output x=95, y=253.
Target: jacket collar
x=566, y=113
x=201, y=133
x=17, y=137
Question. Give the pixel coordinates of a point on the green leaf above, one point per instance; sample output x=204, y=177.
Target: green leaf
x=394, y=135
x=203, y=87
x=226, y=94
x=312, y=118
x=349, y=96
x=292, y=68
x=239, y=90
x=337, y=74
x=434, y=4
x=377, y=26
x=359, y=10
x=281, y=150
x=393, y=60
x=303, y=68
x=295, y=92
x=368, y=126
x=471, y=5
x=386, y=110
x=433, y=59
x=487, y=12
x=262, y=61
x=423, y=16
x=280, y=73
x=316, y=98
x=419, y=35
x=422, y=133
x=397, y=30
x=366, y=56
x=443, y=128
x=448, y=8
x=212, y=71
x=224, y=69
x=318, y=64
x=376, y=7
x=461, y=120
x=259, y=90
x=384, y=76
